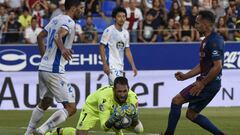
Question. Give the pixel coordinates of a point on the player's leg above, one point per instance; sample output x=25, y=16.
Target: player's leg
x=87, y=120
x=44, y=103
x=63, y=93
x=175, y=110
x=195, y=108
x=113, y=74
x=37, y=114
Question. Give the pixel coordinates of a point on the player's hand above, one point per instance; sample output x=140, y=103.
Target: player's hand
x=117, y=115
x=197, y=88
x=106, y=69
x=131, y=111
x=67, y=54
x=134, y=71
x=180, y=76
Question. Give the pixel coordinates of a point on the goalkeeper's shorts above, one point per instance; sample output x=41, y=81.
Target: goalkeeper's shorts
x=87, y=119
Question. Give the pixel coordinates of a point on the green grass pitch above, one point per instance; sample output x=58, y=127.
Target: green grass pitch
x=154, y=121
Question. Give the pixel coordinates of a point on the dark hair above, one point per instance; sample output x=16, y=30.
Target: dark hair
x=25, y=9
x=70, y=3
x=118, y=10
x=120, y=80
x=151, y=12
x=207, y=15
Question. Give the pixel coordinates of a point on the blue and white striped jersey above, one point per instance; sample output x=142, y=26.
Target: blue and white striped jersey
x=52, y=61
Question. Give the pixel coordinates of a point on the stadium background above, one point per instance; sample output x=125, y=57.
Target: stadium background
x=155, y=84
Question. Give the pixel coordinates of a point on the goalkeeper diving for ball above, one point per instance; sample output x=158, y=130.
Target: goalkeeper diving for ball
x=114, y=106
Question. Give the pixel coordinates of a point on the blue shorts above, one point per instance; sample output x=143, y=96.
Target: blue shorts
x=198, y=103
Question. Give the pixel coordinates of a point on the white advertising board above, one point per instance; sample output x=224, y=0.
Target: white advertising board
x=154, y=88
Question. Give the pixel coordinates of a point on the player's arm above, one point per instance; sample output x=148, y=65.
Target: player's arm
x=104, y=113
x=195, y=71
x=134, y=101
x=136, y=123
x=216, y=54
x=214, y=71
x=216, y=50
x=107, y=119
x=106, y=68
x=129, y=56
x=40, y=41
x=104, y=40
x=66, y=53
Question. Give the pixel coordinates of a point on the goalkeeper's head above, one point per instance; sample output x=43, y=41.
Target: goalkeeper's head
x=120, y=89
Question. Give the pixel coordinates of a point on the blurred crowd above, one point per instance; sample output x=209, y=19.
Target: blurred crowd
x=147, y=20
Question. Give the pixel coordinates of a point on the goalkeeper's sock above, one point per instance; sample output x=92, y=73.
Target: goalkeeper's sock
x=57, y=118
x=173, y=118
x=37, y=114
x=205, y=123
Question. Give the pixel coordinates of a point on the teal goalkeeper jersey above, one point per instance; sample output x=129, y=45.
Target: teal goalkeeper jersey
x=102, y=102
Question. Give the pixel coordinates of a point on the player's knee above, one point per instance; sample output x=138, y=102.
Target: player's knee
x=45, y=103
x=71, y=108
x=72, y=111
x=191, y=115
x=177, y=100
x=174, y=100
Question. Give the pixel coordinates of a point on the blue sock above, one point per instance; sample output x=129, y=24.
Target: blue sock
x=173, y=118
x=205, y=123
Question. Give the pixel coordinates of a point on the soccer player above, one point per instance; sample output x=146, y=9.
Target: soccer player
x=103, y=105
x=207, y=85
x=113, y=45
x=60, y=33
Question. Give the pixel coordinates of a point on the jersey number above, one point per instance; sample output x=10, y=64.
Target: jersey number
x=51, y=37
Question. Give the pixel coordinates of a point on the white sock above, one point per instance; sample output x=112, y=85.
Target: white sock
x=57, y=118
x=37, y=114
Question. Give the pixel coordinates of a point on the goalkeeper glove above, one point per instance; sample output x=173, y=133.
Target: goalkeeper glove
x=117, y=115
x=132, y=112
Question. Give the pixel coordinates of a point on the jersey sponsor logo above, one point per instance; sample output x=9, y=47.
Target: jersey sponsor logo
x=232, y=59
x=101, y=107
x=215, y=53
x=12, y=60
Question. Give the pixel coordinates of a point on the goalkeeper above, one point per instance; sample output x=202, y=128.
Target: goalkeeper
x=109, y=105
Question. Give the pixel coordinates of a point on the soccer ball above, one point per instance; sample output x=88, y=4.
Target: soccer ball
x=125, y=122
